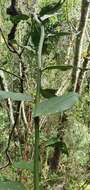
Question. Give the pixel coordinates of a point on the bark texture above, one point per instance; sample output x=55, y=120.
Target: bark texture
x=79, y=43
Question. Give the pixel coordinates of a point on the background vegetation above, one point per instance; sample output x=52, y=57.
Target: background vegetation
x=45, y=53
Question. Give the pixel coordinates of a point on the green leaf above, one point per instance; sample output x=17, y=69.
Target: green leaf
x=57, y=34
x=59, y=67
x=10, y=185
x=48, y=93
x=62, y=33
x=28, y=48
x=51, y=8
x=63, y=148
x=14, y=96
x=16, y=19
x=56, y=141
x=52, y=141
x=56, y=104
x=24, y=165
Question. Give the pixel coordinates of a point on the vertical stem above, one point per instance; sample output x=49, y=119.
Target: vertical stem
x=79, y=43
x=36, y=119
x=36, y=155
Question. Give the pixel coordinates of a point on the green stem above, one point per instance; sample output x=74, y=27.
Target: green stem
x=41, y=47
x=36, y=155
x=36, y=119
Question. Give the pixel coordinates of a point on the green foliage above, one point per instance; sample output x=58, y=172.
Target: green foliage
x=48, y=93
x=24, y=165
x=14, y=96
x=52, y=8
x=52, y=141
x=9, y=185
x=59, y=67
x=55, y=105
x=56, y=141
x=73, y=136
x=16, y=19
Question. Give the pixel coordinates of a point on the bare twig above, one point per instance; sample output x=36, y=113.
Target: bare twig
x=11, y=133
x=13, y=50
x=4, y=86
x=9, y=139
x=6, y=41
x=10, y=73
x=5, y=166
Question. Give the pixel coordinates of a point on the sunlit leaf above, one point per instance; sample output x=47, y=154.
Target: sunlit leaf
x=57, y=34
x=56, y=104
x=59, y=67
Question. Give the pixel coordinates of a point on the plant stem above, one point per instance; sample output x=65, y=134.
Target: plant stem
x=79, y=44
x=36, y=155
x=36, y=119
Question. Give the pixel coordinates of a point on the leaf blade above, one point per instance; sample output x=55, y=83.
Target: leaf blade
x=56, y=104
x=48, y=93
x=10, y=185
x=14, y=96
x=59, y=67
x=51, y=8
x=24, y=165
